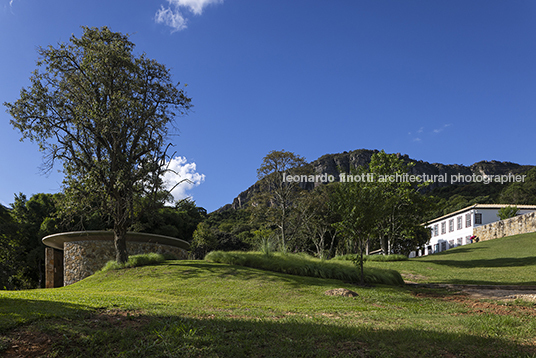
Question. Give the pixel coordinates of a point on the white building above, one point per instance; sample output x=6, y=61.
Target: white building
x=456, y=228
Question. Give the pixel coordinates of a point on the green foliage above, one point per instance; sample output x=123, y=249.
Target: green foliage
x=455, y=197
x=265, y=241
x=22, y=256
x=179, y=221
x=204, y=240
x=401, y=206
x=507, y=212
x=8, y=252
x=305, y=265
x=379, y=258
x=379, y=206
x=135, y=261
x=521, y=192
x=225, y=230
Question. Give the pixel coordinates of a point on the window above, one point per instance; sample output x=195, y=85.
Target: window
x=460, y=225
x=460, y=241
x=451, y=225
x=467, y=220
x=451, y=244
x=443, y=227
x=443, y=245
x=436, y=230
x=468, y=239
x=478, y=219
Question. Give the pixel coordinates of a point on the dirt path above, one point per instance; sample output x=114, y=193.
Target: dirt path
x=496, y=292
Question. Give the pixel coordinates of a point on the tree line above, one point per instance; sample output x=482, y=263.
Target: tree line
x=344, y=218
x=28, y=220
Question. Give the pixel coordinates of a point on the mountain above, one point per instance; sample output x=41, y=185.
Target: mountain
x=333, y=164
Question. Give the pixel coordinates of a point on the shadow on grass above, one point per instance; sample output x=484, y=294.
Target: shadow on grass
x=460, y=250
x=225, y=271
x=289, y=336
x=16, y=311
x=488, y=282
x=497, y=262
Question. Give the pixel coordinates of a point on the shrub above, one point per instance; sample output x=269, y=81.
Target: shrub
x=383, y=258
x=135, y=261
x=305, y=265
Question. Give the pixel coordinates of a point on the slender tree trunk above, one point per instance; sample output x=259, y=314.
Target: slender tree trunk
x=283, y=228
x=120, y=243
x=362, y=278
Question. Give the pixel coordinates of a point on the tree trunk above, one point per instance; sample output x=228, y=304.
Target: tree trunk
x=120, y=243
x=283, y=228
x=362, y=278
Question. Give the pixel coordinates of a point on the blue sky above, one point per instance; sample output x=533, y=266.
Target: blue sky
x=442, y=81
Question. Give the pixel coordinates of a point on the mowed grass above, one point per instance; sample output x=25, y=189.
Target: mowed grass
x=506, y=261
x=202, y=309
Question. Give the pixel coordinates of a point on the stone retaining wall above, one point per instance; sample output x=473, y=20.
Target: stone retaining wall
x=84, y=258
x=520, y=224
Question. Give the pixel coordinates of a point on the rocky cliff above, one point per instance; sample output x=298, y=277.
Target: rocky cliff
x=333, y=164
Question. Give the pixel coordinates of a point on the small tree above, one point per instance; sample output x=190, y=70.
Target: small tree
x=105, y=113
x=358, y=206
x=402, y=206
x=316, y=219
x=507, y=212
x=280, y=193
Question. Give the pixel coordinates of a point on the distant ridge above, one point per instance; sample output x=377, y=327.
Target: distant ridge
x=330, y=164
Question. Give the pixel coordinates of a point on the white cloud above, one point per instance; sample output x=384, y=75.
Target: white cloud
x=175, y=20
x=439, y=130
x=180, y=169
x=173, y=15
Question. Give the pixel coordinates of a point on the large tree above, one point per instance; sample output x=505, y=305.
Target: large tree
x=105, y=113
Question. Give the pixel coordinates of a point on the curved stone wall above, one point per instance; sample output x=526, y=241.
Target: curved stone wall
x=83, y=258
x=86, y=252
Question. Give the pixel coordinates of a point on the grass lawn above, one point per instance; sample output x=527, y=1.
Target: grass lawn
x=204, y=309
x=194, y=308
x=506, y=261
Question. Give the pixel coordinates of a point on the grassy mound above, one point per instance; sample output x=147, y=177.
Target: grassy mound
x=305, y=265
x=381, y=258
x=135, y=261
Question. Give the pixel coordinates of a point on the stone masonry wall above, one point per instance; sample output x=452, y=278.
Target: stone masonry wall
x=84, y=258
x=520, y=224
